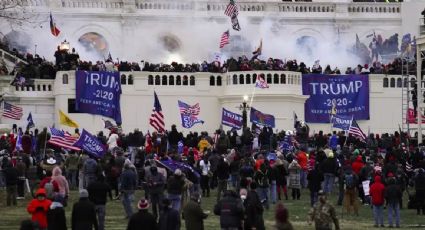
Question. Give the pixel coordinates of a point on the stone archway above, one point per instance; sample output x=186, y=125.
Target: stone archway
x=95, y=44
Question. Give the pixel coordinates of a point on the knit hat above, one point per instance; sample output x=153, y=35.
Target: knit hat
x=143, y=204
x=84, y=193
x=178, y=172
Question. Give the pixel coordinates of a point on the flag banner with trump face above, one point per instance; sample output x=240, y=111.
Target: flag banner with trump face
x=261, y=119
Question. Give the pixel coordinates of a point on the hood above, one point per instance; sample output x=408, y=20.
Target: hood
x=56, y=205
x=359, y=159
x=56, y=171
x=378, y=179
x=40, y=192
x=356, y=152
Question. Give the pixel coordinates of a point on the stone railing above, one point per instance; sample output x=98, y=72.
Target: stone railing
x=109, y=4
x=40, y=85
x=307, y=7
x=377, y=8
x=164, y=5
x=271, y=77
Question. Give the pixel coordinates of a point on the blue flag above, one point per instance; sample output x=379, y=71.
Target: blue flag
x=30, y=122
x=98, y=92
x=180, y=146
x=261, y=119
x=90, y=143
x=341, y=122
x=185, y=168
x=231, y=119
x=189, y=114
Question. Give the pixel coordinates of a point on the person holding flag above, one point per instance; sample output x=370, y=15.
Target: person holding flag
x=30, y=122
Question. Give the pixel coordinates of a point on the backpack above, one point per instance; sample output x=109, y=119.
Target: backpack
x=263, y=180
x=349, y=181
x=50, y=194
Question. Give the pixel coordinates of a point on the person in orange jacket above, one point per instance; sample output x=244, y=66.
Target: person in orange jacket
x=38, y=208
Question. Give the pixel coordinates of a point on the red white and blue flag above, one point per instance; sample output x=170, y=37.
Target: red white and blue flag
x=189, y=114
x=63, y=139
x=356, y=131
x=12, y=111
x=53, y=29
x=261, y=82
x=157, y=118
x=231, y=9
x=224, y=39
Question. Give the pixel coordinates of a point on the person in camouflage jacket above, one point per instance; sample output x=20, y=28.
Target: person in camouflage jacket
x=323, y=214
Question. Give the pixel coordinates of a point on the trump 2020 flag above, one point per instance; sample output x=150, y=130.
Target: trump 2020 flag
x=189, y=114
x=341, y=122
x=90, y=143
x=30, y=121
x=261, y=119
x=231, y=119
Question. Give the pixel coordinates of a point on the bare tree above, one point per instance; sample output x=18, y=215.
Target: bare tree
x=17, y=13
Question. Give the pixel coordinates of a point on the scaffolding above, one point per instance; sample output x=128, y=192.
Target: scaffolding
x=408, y=93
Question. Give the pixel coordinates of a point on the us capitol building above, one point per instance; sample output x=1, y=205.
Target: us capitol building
x=189, y=31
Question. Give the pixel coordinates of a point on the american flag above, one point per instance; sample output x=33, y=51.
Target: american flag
x=261, y=82
x=189, y=110
x=63, y=139
x=356, y=131
x=224, y=39
x=12, y=111
x=157, y=118
x=231, y=9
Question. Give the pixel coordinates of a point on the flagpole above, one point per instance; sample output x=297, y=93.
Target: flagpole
x=348, y=131
x=252, y=97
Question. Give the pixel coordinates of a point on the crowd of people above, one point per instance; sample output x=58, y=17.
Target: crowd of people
x=249, y=172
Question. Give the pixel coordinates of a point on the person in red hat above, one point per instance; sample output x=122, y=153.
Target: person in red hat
x=142, y=219
x=38, y=208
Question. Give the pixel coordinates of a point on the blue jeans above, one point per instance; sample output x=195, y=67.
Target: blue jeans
x=132, y=151
x=101, y=212
x=273, y=192
x=262, y=194
x=127, y=201
x=234, y=178
x=175, y=201
x=303, y=178
x=328, y=182
x=394, y=208
x=378, y=214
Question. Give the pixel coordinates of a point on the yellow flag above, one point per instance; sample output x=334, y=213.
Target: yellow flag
x=65, y=120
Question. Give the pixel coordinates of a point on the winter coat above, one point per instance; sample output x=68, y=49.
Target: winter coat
x=231, y=211
x=128, y=180
x=357, y=165
x=175, y=185
x=98, y=191
x=156, y=183
x=39, y=208
x=56, y=217
x=315, y=178
x=280, y=173
x=194, y=216
x=84, y=215
x=142, y=220
x=61, y=181
x=376, y=191
x=253, y=211
x=71, y=163
x=294, y=170
x=90, y=167
x=169, y=219
x=302, y=160
x=26, y=144
x=11, y=175
x=223, y=170
x=329, y=165
x=392, y=192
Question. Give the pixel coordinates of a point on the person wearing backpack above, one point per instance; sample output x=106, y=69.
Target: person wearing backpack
x=261, y=178
x=51, y=187
x=350, y=194
x=253, y=210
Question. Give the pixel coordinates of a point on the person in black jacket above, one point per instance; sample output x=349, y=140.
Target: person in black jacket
x=56, y=219
x=98, y=190
x=253, y=210
x=329, y=168
x=11, y=177
x=392, y=197
x=128, y=186
x=175, y=186
x=231, y=211
x=84, y=213
x=281, y=174
x=420, y=192
x=314, y=178
x=169, y=218
x=143, y=219
x=223, y=171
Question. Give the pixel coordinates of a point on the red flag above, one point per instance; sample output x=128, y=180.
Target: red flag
x=55, y=31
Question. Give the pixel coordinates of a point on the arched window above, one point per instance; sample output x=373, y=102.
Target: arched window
x=192, y=80
x=185, y=80
x=164, y=80
x=65, y=79
x=123, y=79
x=219, y=81
x=276, y=78
x=49, y=88
x=234, y=79
x=399, y=83
x=171, y=80
x=269, y=78
x=282, y=79
x=157, y=80
x=212, y=80
x=392, y=82
x=178, y=80
x=130, y=79
x=150, y=80
x=241, y=79
x=247, y=78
